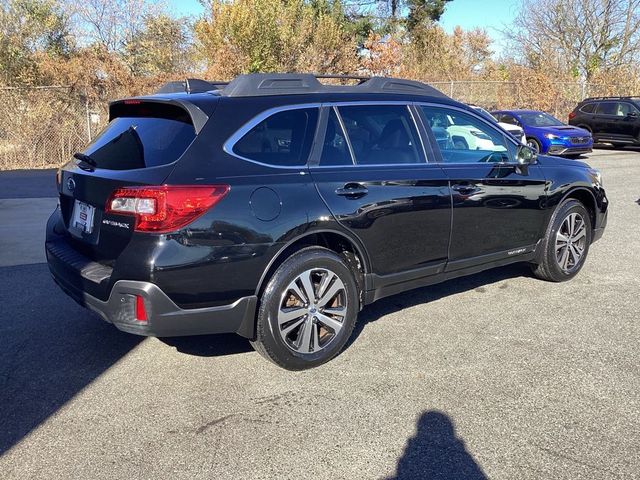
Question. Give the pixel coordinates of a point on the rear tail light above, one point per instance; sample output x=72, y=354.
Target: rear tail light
x=164, y=208
x=572, y=115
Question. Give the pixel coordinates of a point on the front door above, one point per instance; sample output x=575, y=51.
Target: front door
x=375, y=180
x=498, y=205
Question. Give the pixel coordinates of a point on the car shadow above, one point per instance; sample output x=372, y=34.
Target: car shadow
x=50, y=350
x=436, y=452
x=408, y=299
x=209, y=345
x=231, y=344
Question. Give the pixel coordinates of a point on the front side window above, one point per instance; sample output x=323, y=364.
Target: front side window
x=382, y=134
x=463, y=138
x=284, y=139
x=624, y=109
x=510, y=119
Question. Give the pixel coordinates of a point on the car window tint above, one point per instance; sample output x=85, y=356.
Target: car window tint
x=335, y=150
x=623, y=109
x=463, y=138
x=284, y=139
x=588, y=108
x=506, y=118
x=141, y=136
x=382, y=134
x=607, y=108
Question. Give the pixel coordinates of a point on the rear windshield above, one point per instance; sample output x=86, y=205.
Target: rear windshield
x=142, y=136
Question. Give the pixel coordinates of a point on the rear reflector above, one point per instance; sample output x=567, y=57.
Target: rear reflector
x=141, y=311
x=164, y=208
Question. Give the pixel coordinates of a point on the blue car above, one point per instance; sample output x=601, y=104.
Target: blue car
x=546, y=134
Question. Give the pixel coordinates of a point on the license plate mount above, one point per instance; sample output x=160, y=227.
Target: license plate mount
x=82, y=217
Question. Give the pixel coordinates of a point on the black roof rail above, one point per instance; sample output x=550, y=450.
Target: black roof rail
x=263, y=84
x=191, y=85
x=628, y=97
x=360, y=78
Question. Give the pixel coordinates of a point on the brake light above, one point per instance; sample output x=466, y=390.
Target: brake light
x=572, y=115
x=164, y=208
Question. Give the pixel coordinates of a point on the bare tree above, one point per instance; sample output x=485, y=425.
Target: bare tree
x=111, y=24
x=588, y=36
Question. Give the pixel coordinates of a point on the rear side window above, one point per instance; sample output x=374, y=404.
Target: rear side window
x=284, y=139
x=382, y=134
x=142, y=136
x=607, y=108
x=335, y=150
x=588, y=108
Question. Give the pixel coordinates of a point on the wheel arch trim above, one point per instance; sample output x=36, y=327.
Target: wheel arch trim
x=359, y=248
x=593, y=208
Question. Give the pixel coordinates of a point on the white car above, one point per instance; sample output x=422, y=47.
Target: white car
x=514, y=130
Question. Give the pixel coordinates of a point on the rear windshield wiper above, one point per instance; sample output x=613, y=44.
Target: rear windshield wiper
x=84, y=158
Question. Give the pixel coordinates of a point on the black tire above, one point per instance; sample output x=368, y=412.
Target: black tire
x=550, y=267
x=533, y=143
x=277, y=298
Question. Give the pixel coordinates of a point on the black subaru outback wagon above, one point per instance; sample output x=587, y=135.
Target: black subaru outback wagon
x=277, y=207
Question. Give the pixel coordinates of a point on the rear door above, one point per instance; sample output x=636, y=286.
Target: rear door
x=139, y=146
x=498, y=206
x=605, y=120
x=374, y=176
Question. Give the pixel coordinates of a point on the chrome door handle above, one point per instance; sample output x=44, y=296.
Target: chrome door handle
x=352, y=190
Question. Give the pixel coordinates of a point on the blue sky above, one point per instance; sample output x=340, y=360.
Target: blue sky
x=492, y=15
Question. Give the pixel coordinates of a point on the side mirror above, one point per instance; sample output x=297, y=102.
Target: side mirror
x=525, y=155
x=632, y=115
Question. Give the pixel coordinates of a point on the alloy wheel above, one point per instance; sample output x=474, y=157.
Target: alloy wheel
x=534, y=145
x=571, y=242
x=312, y=310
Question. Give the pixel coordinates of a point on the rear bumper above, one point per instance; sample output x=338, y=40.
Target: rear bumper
x=89, y=283
x=164, y=318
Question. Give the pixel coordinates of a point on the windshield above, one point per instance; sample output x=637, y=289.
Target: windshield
x=143, y=137
x=539, y=119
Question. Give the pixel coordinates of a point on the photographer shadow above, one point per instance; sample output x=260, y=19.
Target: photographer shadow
x=435, y=452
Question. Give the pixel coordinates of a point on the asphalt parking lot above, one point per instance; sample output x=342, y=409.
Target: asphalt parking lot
x=497, y=375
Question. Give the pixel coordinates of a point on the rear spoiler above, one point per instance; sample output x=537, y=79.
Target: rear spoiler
x=198, y=117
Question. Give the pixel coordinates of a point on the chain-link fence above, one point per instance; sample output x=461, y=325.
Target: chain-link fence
x=43, y=126
x=558, y=99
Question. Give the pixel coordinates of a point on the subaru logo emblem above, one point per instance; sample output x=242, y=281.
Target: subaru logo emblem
x=71, y=184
